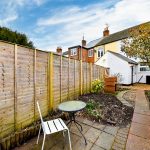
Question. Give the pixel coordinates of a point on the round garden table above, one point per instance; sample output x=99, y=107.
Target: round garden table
x=73, y=107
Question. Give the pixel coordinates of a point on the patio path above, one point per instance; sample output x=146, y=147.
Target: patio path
x=139, y=134
x=102, y=137
x=99, y=137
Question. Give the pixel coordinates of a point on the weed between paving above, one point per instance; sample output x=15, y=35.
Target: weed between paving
x=112, y=110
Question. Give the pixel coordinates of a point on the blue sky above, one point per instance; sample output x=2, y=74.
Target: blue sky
x=52, y=23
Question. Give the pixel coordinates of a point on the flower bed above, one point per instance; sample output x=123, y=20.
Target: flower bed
x=107, y=109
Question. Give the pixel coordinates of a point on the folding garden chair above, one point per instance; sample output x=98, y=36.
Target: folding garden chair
x=52, y=126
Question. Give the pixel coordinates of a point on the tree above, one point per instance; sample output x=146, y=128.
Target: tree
x=7, y=34
x=138, y=43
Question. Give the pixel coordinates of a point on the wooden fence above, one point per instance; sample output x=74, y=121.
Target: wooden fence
x=28, y=75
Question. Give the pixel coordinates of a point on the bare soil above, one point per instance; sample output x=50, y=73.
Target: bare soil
x=113, y=111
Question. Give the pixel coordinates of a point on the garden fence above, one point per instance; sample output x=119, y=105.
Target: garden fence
x=28, y=75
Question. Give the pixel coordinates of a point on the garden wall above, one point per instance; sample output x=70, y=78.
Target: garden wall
x=28, y=75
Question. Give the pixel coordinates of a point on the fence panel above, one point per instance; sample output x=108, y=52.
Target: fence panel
x=41, y=82
x=64, y=78
x=25, y=87
x=56, y=80
x=28, y=75
x=71, y=79
x=7, y=103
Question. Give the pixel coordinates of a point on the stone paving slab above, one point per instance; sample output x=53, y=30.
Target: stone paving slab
x=92, y=134
x=139, y=135
x=105, y=141
x=74, y=129
x=95, y=147
x=137, y=143
x=140, y=130
x=111, y=130
x=80, y=145
x=142, y=119
x=99, y=126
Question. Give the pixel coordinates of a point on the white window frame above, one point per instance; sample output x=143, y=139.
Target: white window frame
x=100, y=50
x=90, y=53
x=73, y=51
x=144, y=67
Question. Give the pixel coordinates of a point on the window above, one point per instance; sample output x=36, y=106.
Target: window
x=73, y=51
x=90, y=53
x=144, y=67
x=100, y=52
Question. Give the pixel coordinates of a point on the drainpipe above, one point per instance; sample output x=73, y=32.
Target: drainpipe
x=131, y=65
x=131, y=75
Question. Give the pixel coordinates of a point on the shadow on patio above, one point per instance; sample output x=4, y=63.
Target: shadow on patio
x=99, y=137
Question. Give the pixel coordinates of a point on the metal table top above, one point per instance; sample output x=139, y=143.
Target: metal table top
x=72, y=106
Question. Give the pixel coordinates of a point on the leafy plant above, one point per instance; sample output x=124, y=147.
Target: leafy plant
x=93, y=109
x=97, y=86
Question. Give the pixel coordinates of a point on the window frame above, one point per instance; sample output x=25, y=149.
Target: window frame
x=73, y=51
x=100, y=52
x=90, y=53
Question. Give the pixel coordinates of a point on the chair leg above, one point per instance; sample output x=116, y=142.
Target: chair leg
x=69, y=140
x=43, y=141
x=38, y=135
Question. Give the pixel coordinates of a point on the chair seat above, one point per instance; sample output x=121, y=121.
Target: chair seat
x=53, y=126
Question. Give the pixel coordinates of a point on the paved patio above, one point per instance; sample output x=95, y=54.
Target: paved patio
x=139, y=135
x=102, y=137
x=99, y=137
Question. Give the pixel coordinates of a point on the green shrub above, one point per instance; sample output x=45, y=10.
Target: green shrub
x=93, y=109
x=97, y=86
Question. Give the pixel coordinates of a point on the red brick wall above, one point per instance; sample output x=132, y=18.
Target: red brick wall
x=85, y=57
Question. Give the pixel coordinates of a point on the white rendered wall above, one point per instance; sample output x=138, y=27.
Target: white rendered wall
x=117, y=65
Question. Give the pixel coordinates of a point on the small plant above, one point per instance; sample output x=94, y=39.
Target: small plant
x=93, y=109
x=97, y=86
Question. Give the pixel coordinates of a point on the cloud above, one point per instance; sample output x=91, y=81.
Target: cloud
x=10, y=9
x=74, y=21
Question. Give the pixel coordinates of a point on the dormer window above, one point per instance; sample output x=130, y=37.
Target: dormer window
x=100, y=52
x=90, y=53
x=73, y=51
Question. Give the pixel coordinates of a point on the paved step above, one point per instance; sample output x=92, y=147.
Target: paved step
x=139, y=134
x=123, y=101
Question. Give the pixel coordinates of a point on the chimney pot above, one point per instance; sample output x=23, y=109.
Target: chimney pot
x=83, y=42
x=59, y=50
x=106, y=31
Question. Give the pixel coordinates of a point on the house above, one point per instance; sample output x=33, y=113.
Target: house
x=80, y=52
x=96, y=49
x=119, y=65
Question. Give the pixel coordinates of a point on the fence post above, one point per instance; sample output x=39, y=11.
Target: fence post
x=81, y=77
x=34, y=69
x=68, y=76
x=60, y=78
x=91, y=78
x=15, y=88
x=51, y=80
x=74, y=78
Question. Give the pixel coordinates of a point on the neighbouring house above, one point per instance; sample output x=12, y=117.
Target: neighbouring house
x=122, y=67
x=80, y=52
x=96, y=49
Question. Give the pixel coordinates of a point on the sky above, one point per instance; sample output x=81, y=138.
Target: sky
x=53, y=23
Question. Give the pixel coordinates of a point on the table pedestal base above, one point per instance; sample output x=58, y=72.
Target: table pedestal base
x=77, y=124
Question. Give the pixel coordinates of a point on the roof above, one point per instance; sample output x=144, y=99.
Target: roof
x=93, y=43
x=77, y=46
x=65, y=53
x=124, y=58
x=112, y=37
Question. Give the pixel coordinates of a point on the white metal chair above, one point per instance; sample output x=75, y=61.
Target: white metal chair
x=52, y=126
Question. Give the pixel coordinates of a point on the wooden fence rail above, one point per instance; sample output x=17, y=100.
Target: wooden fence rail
x=28, y=75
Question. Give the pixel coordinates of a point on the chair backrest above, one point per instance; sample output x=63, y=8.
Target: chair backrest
x=39, y=111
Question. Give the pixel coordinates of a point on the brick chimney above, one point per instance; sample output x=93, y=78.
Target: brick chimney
x=59, y=50
x=83, y=42
x=106, y=31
